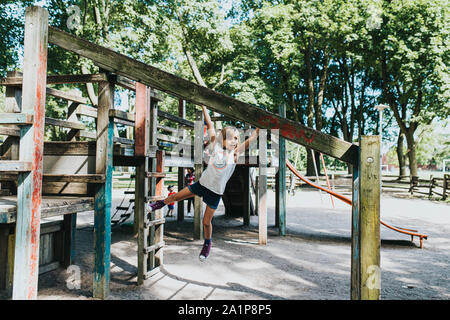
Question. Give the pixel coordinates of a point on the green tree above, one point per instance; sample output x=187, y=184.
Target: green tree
x=413, y=51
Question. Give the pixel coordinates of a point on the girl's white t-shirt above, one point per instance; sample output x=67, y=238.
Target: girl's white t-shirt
x=221, y=166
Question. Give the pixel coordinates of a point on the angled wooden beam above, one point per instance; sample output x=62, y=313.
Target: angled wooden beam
x=189, y=91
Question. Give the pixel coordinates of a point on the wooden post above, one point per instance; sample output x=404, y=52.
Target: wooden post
x=102, y=215
x=13, y=103
x=141, y=190
x=26, y=256
x=366, y=260
x=355, y=291
x=142, y=139
x=181, y=184
x=198, y=167
x=280, y=196
x=262, y=186
x=153, y=187
x=69, y=227
x=158, y=231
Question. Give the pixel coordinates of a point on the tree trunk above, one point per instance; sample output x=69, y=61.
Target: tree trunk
x=411, y=153
x=401, y=155
x=310, y=108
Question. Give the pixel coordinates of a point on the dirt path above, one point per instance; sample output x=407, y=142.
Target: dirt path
x=311, y=262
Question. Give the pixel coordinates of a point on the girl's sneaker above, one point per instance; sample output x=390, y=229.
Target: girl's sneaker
x=156, y=205
x=205, y=252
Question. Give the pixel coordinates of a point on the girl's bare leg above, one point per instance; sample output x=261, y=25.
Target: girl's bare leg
x=181, y=195
x=207, y=225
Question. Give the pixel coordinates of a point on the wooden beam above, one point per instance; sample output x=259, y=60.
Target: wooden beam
x=200, y=95
x=8, y=131
x=80, y=178
x=176, y=119
x=262, y=186
x=66, y=96
x=280, y=196
x=355, y=278
x=85, y=110
x=141, y=191
x=16, y=166
x=102, y=216
x=122, y=115
x=181, y=176
x=64, y=123
x=59, y=79
x=26, y=254
x=198, y=168
x=369, y=196
x=65, y=148
x=16, y=118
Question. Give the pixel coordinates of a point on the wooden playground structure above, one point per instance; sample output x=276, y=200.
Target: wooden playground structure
x=61, y=178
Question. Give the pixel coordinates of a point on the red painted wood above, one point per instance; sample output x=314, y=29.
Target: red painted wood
x=141, y=119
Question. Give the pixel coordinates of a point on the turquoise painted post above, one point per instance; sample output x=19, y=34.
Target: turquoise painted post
x=102, y=216
x=29, y=190
x=281, y=196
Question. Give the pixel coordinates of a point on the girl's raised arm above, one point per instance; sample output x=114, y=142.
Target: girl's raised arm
x=209, y=125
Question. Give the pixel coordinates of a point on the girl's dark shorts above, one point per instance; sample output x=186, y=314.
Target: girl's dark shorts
x=210, y=198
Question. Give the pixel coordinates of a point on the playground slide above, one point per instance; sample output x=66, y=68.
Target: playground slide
x=410, y=232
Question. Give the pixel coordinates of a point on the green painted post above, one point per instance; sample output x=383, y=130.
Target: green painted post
x=281, y=181
x=102, y=215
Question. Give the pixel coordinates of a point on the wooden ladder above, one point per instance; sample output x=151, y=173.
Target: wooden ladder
x=151, y=228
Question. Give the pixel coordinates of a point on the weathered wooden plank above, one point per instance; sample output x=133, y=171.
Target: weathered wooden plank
x=370, y=190
x=69, y=227
x=31, y=150
x=141, y=190
x=17, y=166
x=198, y=168
x=158, y=229
x=128, y=116
x=9, y=131
x=181, y=176
x=80, y=178
x=355, y=278
x=142, y=117
x=195, y=93
x=51, y=206
x=102, y=216
x=4, y=233
x=175, y=118
x=262, y=186
x=48, y=267
x=59, y=79
x=64, y=123
x=280, y=207
x=86, y=134
x=66, y=148
x=123, y=141
x=16, y=118
x=168, y=129
x=85, y=110
x=13, y=96
x=66, y=96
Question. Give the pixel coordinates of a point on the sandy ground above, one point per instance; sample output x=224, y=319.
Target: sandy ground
x=311, y=262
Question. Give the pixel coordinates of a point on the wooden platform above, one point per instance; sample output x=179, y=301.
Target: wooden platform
x=51, y=206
